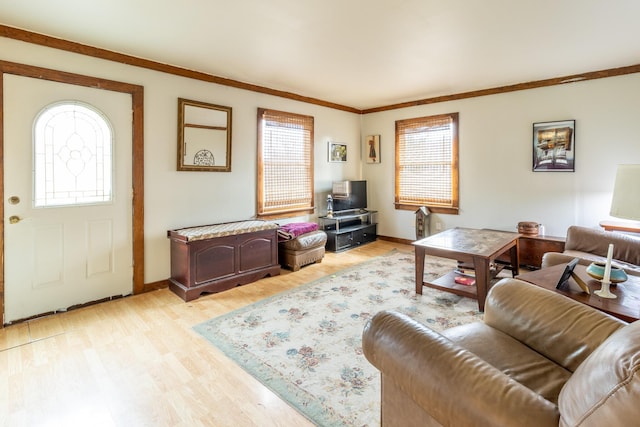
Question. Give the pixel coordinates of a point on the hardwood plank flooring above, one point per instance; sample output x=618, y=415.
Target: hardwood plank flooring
x=136, y=362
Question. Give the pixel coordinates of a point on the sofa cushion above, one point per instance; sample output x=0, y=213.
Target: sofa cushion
x=514, y=359
x=305, y=241
x=530, y=323
x=451, y=384
x=605, y=389
x=626, y=248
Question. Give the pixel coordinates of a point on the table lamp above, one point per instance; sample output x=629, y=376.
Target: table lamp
x=624, y=204
x=626, y=193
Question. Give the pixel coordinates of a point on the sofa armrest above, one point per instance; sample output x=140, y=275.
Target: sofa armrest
x=557, y=327
x=451, y=384
x=549, y=259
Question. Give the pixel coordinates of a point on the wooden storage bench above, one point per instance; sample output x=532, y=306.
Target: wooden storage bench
x=217, y=257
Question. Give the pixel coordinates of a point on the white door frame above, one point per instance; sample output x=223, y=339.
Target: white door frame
x=137, y=101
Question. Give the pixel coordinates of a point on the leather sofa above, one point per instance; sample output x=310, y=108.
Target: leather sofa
x=590, y=244
x=537, y=359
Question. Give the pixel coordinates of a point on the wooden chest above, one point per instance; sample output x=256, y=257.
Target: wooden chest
x=213, y=258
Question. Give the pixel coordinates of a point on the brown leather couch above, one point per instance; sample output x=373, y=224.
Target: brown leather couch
x=537, y=359
x=590, y=244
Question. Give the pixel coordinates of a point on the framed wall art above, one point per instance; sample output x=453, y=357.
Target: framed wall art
x=372, y=149
x=337, y=152
x=554, y=146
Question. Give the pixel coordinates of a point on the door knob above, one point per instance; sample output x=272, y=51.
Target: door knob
x=14, y=219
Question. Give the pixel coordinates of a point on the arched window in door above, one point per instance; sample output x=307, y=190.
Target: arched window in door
x=72, y=164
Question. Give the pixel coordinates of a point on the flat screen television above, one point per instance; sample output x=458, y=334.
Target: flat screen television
x=349, y=195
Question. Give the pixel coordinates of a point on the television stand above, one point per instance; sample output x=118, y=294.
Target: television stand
x=349, y=228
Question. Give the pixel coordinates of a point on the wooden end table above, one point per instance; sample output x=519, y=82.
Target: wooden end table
x=479, y=247
x=625, y=307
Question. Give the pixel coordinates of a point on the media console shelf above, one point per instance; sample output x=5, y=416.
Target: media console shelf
x=349, y=228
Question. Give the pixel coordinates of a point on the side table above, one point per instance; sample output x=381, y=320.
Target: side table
x=626, y=306
x=532, y=248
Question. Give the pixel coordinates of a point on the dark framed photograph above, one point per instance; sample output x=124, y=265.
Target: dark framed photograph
x=568, y=271
x=337, y=152
x=554, y=146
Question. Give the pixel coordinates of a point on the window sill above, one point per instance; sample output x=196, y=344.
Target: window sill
x=432, y=209
x=285, y=214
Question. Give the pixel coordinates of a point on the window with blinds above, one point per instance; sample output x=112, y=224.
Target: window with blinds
x=285, y=164
x=427, y=163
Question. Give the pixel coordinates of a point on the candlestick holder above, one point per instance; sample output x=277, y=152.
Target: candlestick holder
x=604, y=292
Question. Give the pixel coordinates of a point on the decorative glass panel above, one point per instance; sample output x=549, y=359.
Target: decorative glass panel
x=72, y=156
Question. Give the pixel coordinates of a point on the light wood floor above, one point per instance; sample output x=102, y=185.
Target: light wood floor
x=136, y=361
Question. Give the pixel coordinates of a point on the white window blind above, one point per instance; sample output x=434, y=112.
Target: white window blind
x=285, y=163
x=427, y=162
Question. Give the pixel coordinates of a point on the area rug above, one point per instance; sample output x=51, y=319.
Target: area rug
x=306, y=344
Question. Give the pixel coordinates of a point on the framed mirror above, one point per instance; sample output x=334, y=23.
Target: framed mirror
x=204, y=136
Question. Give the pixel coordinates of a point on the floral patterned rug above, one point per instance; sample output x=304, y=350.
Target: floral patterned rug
x=305, y=344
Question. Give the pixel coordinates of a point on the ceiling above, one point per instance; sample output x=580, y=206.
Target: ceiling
x=357, y=53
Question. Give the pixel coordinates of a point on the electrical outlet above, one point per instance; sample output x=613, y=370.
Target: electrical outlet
x=438, y=226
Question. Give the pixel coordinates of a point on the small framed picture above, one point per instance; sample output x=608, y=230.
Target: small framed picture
x=337, y=152
x=554, y=146
x=372, y=149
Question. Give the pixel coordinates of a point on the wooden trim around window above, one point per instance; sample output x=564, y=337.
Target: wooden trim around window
x=434, y=209
x=293, y=209
x=407, y=124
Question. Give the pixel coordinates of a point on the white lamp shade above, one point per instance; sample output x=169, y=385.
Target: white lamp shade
x=626, y=193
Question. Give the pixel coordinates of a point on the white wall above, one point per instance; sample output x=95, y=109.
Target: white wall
x=497, y=186
x=182, y=199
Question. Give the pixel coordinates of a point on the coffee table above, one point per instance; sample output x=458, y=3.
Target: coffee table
x=625, y=307
x=477, y=247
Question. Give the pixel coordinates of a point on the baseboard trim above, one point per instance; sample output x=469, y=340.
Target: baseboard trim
x=396, y=240
x=154, y=286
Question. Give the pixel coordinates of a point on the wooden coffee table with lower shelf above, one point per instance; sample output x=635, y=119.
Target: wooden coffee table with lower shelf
x=477, y=247
x=626, y=306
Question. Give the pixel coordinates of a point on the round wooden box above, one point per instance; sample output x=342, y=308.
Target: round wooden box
x=529, y=228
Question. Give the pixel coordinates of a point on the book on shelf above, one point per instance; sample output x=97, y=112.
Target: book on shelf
x=465, y=272
x=465, y=280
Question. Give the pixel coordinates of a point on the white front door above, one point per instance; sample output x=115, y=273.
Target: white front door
x=60, y=256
